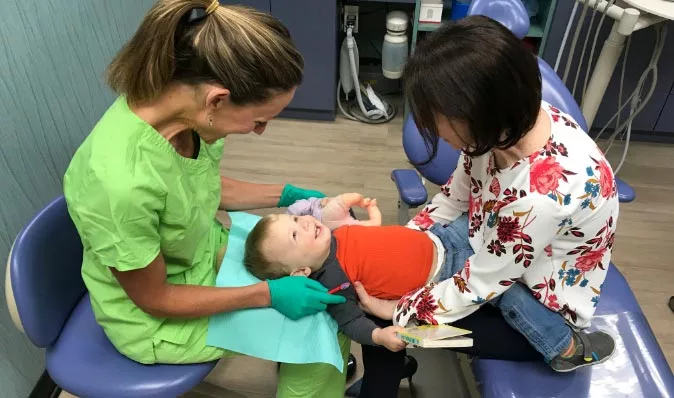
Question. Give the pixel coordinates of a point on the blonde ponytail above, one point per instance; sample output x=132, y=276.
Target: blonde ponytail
x=246, y=51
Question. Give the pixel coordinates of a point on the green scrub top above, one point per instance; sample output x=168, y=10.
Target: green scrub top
x=131, y=197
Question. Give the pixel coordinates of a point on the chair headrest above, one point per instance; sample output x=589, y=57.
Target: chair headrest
x=511, y=13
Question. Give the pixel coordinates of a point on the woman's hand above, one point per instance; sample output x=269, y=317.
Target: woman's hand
x=299, y=296
x=375, y=306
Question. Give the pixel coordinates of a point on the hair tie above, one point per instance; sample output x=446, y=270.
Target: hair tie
x=214, y=6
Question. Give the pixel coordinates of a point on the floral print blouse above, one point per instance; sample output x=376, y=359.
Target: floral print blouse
x=547, y=221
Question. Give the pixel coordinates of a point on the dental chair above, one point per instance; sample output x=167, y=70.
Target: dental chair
x=49, y=304
x=638, y=367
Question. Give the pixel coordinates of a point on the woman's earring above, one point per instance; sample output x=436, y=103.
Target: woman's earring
x=210, y=121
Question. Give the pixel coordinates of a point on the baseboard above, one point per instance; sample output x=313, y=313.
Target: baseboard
x=308, y=114
x=657, y=137
x=45, y=388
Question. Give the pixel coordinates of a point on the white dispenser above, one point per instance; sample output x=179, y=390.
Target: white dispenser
x=395, y=48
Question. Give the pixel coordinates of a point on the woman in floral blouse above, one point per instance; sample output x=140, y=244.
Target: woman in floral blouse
x=531, y=209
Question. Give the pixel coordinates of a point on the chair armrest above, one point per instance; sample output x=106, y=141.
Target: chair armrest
x=410, y=188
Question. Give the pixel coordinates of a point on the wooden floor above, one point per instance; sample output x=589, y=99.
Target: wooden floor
x=345, y=156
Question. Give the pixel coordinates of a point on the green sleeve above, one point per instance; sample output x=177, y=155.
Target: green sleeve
x=119, y=222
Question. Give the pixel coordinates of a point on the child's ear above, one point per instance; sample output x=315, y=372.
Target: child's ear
x=301, y=271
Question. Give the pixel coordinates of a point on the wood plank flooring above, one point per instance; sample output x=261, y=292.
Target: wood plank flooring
x=345, y=156
x=342, y=156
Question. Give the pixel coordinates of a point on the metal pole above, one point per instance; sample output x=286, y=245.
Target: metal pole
x=606, y=63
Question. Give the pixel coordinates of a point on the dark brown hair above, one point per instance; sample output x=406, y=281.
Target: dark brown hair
x=254, y=259
x=478, y=72
x=248, y=52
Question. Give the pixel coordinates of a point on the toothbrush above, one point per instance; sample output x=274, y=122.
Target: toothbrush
x=341, y=287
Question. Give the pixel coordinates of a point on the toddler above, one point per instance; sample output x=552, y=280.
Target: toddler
x=389, y=261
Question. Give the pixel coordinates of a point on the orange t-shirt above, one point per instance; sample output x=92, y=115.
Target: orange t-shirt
x=389, y=261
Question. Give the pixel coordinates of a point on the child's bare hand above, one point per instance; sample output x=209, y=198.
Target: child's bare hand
x=388, y=338
x=367, y=202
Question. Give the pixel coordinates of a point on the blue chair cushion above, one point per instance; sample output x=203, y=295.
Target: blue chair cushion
x=441, y=167
x=638, y=367
x=510, y=13
x=410, y=187
x=85, y=363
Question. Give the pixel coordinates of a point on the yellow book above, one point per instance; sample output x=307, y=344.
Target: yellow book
x=436, y=336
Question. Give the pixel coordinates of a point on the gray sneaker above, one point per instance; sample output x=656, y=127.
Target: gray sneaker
x=591, y=349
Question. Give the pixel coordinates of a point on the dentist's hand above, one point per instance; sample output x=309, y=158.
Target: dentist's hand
x=299, y=296
x=292, y=194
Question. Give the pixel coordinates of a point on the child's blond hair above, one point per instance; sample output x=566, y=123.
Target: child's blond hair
x=254, y=259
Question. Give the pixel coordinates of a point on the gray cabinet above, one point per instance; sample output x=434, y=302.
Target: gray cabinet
x=650, y=121
x=313, y=26
x=262, y=5
x=666, y=119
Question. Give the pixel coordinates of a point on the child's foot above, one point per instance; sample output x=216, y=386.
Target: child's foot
x=585, y=350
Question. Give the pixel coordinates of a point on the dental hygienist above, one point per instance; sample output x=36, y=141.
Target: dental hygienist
x=144, y=187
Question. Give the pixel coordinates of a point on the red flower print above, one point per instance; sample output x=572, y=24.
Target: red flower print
x=475, y=224
x=562, y=150
x=552, y=302
x=474, y=204
x=606, y=180
x=591, y=254
x=423, y=219
x=466, y=268
x=508, y=229
x=425, y=305
x=475, y=186
x=495, y=247
x=548, y=250
x=555, y=118
x=545, y=175
x=554, y=109
x=588, y=261
x=495, y=187
x=549, y=146
x=467, y=164
x=445, y=188
x=568, y=122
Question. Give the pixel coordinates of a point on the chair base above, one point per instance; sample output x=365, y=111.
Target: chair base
x=626, y=193
x=46, y=387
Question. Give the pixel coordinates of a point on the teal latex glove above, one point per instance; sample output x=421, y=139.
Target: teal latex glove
x=292, y=194
x=299, y=296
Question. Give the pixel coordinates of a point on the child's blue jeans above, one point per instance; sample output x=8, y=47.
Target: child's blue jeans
x=545, y=330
